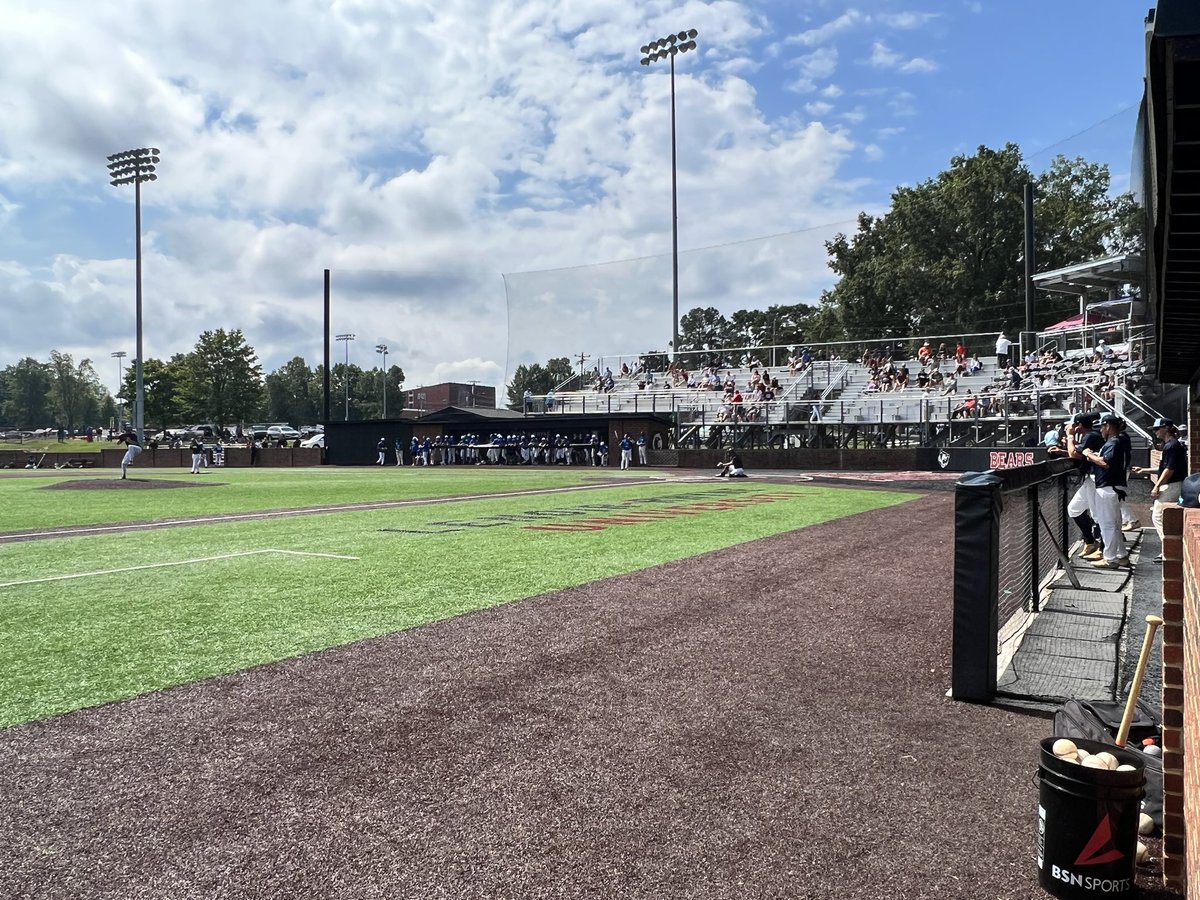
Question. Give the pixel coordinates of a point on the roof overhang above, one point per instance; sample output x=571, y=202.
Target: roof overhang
x=1171, y=123
x=1108, y=274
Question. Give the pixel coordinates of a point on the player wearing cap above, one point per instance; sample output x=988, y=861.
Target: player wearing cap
x=1109, y=467
x=382, y=448
x=1080, y=438
x=1167, y=480
x=132, y=448
x=197, y=455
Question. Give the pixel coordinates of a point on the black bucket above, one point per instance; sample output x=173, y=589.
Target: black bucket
x=1088, y=824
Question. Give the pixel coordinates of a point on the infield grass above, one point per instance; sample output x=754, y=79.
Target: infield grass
x=166, y=607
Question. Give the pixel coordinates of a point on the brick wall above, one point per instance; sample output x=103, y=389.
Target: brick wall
x=1181, y=700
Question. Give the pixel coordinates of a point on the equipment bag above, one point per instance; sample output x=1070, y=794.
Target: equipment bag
x=1098, y=720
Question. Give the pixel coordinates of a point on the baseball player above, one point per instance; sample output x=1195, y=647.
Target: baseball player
x=197, y=455
x=132, y=448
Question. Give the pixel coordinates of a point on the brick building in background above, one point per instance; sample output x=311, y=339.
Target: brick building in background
x=451, y=393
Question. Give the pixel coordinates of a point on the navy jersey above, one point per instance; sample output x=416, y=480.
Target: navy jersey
x=1174, y=457
x=1118, y=463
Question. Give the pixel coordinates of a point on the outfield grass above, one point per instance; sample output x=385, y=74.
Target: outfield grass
x=136, y=622
x=28, y=503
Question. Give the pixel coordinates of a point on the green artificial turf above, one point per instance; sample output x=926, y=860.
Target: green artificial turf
x=30, y=502
x=131, y=625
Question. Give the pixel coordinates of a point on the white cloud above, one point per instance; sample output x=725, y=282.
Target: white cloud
x=873, y=152
x=847, y=21
x=917, y=65
x=818, y=108
x=883, y=58
x=418, y=151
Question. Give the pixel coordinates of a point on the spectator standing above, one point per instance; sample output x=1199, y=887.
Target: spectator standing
x=1002, y=347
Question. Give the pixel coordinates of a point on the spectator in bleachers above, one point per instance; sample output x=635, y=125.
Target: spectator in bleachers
x=960, y=352
x=975, y=366
x=923, y=380
x=901, y=381
x=925, y=354
x=872, y=386
x=951, y=385
x=1002, y=346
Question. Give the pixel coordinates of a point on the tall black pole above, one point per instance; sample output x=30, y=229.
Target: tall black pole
x=674, y=229
x=1030, y=253
x=139, y=411
x=326, y=379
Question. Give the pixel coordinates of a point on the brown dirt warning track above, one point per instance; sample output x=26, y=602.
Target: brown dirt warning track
x=766, y=721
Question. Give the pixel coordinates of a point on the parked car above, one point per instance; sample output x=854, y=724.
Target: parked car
x=316, y=440
x=282, y=432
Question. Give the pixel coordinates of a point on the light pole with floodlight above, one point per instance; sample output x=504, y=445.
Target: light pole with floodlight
x=668, y=48
x=134, y=167
x=383, y=348
x=119, y=356
x=346, y=339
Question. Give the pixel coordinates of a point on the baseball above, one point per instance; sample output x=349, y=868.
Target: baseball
x=1153, y=750
x=1126, y=767
x=1145, y=824
x=1143, y=853
x=1064, y=747
x=1095, y=762
x=1108, y=759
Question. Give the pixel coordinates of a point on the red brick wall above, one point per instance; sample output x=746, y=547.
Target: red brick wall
x=1181, y=700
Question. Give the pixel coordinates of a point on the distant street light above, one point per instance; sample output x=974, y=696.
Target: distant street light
x=346, y=339
x=119, y=356
x=134, y=167
x=668, y=48
x=383, y=348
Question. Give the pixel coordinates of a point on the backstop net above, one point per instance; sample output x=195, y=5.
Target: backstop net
x=612, y=312
x=1010, y=540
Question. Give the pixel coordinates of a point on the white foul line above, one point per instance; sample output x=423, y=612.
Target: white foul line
x=182, y=562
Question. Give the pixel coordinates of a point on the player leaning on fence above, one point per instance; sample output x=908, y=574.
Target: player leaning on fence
x=1080, y=437
x=1109, y=467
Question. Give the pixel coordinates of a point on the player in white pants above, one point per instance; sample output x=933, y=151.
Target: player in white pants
x=1110, y=467
x=197, y=455
x=132, y=448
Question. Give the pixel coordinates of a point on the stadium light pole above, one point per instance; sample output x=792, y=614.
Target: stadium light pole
x=346, y=339
x=668, y=48
x=134, y=167
x=119, y=356
x=383, y=348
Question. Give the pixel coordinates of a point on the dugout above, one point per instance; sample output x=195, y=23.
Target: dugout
x=354, y=443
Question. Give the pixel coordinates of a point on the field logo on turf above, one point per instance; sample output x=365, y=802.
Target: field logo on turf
x=641, y=517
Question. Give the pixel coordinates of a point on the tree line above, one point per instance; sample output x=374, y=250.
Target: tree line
x=219, y=381
x=947, y=258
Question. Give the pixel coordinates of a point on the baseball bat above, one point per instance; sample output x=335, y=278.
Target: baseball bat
x=1152, y=623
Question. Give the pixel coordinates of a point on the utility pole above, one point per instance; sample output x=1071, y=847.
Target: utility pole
x=583, y=357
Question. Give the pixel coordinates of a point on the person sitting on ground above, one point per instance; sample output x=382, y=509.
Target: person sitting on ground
x=731, y=467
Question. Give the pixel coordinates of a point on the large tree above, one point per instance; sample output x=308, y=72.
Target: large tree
x=538, y=380
x=75, y=391
x=25, y=392
x=292, y=395
x=949, y=255
x=222, y=380
x=160, y=387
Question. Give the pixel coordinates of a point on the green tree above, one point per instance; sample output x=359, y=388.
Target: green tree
x=160, y=386
x=705, y=329
x=75, y=391
x=292, y=395
x=25, y=392
x=538, y=380
x=222, y=380
x=949, y=255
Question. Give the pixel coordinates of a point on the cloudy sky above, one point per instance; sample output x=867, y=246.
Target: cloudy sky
x=430, y=152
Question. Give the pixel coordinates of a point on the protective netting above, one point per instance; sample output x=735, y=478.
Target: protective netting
x=1032, y=528
x=616, y=310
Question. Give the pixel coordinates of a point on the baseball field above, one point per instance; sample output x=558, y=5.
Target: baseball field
x=492, y=683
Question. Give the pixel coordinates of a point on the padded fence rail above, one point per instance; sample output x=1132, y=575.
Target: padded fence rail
x=1009, y=528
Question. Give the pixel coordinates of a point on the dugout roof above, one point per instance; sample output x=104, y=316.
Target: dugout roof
x=1108, y=274
x=1169, y=130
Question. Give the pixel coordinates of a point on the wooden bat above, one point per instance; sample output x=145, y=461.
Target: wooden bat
x=1152, y=623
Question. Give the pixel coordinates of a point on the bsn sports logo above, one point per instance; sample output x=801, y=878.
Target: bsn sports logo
x=1096, y=852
